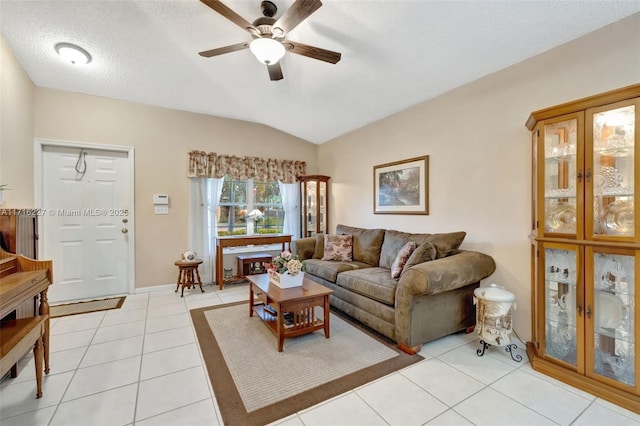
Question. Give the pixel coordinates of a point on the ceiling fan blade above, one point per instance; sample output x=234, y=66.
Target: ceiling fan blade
x=226, y=49
x=225, y=11
x=312, y=52
x=275, y=72
x=298, y=12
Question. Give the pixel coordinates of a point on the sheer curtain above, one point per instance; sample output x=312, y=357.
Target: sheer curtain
x=290, y=193
x=203, y=222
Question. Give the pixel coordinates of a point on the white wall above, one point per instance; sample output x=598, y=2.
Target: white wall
x=480, y=151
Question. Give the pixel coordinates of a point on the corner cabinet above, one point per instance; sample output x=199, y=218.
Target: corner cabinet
x=586, y=244
x=314, y=205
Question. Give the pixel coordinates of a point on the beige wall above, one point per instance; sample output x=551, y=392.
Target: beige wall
x=479, y=151
x=161, y=138
x=16, y=129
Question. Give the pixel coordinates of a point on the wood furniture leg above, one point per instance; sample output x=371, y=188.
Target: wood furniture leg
x=38, y=357
x=251, y=300
x=44, y=310
x=199, y=282
x=219, y=265
x=326, y=316
x=17, y=338
x=188, y=281
x=411, y=350
x=179, y=279
x=280, y=329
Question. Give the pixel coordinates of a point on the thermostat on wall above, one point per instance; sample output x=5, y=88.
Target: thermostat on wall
x=160, y=199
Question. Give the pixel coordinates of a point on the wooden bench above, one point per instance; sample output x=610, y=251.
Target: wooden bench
x=17, y=337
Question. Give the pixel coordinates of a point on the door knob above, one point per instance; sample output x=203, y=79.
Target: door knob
x=125, y=230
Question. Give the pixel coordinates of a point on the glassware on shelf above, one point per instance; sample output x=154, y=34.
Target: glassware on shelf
x=608, y=177
x=618, y=218
x=561, y=339
x=560, y=193
x=614, y=128
x=614, y=273
x=561, y=218
x=622, y=367
x=614, y=359
x=610, y=310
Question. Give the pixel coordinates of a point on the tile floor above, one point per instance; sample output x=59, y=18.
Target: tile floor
x=140, y=365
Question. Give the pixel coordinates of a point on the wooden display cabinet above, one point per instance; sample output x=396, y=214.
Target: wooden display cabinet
x=314, y=205
x=586, y=244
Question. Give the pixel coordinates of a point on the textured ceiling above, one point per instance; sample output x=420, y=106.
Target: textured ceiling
x=395, y=54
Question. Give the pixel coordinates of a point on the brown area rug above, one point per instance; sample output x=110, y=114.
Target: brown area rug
x=241, y=354
x=86, y=307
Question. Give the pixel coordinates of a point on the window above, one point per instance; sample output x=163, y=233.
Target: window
x=239, y=198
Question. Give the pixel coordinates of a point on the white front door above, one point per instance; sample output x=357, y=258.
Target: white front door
x=85, y=222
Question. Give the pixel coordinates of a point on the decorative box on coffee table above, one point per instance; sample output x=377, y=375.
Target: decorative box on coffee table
x=286, y=280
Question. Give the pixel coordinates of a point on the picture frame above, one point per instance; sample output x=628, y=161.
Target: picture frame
x=402, y=187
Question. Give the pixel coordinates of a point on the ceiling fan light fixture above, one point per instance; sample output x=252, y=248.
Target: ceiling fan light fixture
x=267, y=50
x=72, y=53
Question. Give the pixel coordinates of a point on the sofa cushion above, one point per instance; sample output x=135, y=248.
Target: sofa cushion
x=446, y=244
x=367, y=243
x=375, y=283
x=338, y=247
x=329, y=269
x=401, y=259
x=423, y=253
x=318, y=250
x=393, y=242
x=303, y=247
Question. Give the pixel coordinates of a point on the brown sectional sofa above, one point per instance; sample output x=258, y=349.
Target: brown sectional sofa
x=432, y=298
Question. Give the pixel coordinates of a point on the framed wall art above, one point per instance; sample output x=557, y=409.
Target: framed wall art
x=402, y=187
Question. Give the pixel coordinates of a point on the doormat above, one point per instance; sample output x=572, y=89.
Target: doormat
x=86, y=307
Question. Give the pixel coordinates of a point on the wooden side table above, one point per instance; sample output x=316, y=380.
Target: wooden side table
x=188, y=274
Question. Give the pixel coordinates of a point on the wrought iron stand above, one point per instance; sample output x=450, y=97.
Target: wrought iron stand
x=509, y=348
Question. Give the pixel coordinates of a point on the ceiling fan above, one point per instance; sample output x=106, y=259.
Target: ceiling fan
x=269, y=43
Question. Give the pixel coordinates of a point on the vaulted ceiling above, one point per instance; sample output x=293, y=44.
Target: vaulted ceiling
x=395, y=54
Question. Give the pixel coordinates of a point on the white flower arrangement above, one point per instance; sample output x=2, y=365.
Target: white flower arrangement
x=287, y=262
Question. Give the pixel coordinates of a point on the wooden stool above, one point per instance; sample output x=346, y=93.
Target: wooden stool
x=187, y=274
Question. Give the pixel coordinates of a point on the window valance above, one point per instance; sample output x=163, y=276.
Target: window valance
x=212, y=165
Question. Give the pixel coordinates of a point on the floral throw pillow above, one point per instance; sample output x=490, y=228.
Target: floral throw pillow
x=338, y=247
x=401, y=259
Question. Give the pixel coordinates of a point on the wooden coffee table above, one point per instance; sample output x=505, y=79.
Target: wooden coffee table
x=299, y=301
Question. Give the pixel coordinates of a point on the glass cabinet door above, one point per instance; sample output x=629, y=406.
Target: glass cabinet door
x=561, y=186
x=563, y=303
x=612, y=326
x=322, y=208
x=612, y=166
x=312, y=194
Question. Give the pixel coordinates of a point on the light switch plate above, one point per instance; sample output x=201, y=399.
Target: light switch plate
x=161, y=209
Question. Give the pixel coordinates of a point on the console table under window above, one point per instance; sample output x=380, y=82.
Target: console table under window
x=240, y=241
